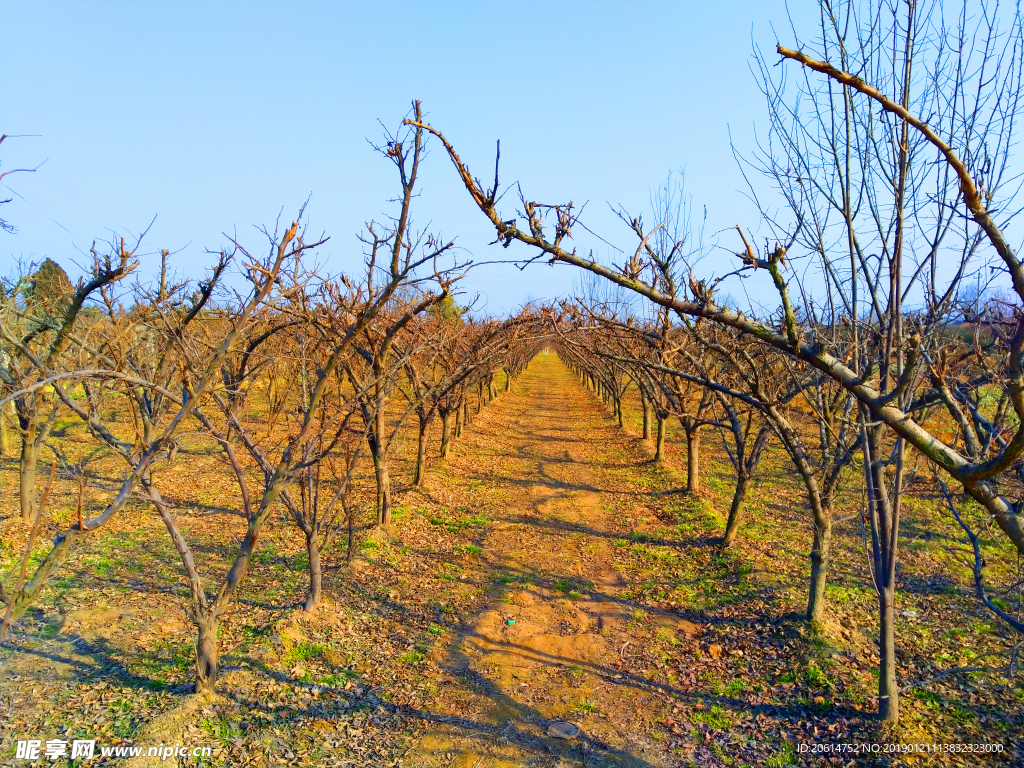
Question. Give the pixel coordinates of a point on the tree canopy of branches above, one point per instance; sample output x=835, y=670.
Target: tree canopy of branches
x=319, y=359
x=890, y=147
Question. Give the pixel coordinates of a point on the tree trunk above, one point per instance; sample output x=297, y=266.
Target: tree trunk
x=821, y=514
x=458, y=421
x=647, y=419
x=820, y=561
x=467, y=416
x=5, y=435
x=732, y=527
x=479, y=397
x=27, y=475
x=207, y=654
x=659, y=445
x=316, y=576
x=885, y=526
x=888, y=692
x=693, y=461
x=54, y=559
x=618, y=410
x=508, y=383
x=446, y=433
x=421, y=453
x=380, y=469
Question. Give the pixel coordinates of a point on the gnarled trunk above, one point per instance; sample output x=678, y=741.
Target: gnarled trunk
x=739, y=495
x=316, y=575
x=446, y=433
x=748, y=458
x=821, y=549
x=693, y=460
x=659, y=445
x=54, y=559
x=207, y=653
x=380, y=470
x=421, y=452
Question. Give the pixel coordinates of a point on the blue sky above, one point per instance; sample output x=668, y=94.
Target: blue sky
x=215, y=116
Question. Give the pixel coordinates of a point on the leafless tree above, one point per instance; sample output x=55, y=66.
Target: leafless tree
x=42, y=325
x=893, y=156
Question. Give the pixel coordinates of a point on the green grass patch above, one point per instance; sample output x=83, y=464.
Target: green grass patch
x=666, y=636
x=716, y=717
x=413, y=656
x=785, y=756
x=304, y=651
x=733, y=688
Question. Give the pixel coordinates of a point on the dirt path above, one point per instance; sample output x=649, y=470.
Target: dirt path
x=548, y=572
x=500, y=603
x=548, y=643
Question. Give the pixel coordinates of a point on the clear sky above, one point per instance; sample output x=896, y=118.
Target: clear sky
x=215, y=116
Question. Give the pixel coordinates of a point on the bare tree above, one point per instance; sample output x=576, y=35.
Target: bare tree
x=42, y=317
x=904, y=179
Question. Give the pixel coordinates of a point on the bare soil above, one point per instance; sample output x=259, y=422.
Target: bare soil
x=547, y=573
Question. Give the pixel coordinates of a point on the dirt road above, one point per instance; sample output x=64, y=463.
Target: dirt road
x=535, y=581
x=549, y=643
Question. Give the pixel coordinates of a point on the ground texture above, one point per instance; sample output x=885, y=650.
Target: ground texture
x=546, y=573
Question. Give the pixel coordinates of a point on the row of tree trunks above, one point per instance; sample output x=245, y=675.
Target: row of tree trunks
x=487, y=392
x=608, y=396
